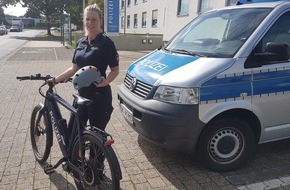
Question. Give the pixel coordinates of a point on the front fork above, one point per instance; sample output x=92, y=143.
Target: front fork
x=38, y=130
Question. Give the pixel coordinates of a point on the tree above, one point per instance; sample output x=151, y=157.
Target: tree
x=75, y=9
x=2, y=17
x=31, y=13
x=5, y=3
x=48, y=8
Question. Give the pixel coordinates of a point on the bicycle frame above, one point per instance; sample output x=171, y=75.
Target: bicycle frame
x=54, y=116
x=84, y=148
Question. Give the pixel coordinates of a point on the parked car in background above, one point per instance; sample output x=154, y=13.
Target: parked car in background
x=19, y=24
x=6, y=28
x=53, y=28
x=14, y=28
x=3, y=30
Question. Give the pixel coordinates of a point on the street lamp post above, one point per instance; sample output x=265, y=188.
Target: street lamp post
x=84, y=14
x=125, y=16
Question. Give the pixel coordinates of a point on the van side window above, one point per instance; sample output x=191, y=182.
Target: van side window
x=279, y=32
x=274, y=46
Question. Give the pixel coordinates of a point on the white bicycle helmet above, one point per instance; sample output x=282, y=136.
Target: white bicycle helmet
x=85, y=76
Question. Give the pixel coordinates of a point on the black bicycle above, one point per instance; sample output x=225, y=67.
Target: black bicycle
x=87, y=152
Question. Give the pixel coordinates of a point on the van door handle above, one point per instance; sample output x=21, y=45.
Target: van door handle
x=243, y=94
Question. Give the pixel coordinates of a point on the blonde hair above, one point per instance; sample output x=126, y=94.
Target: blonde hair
x=94, y=7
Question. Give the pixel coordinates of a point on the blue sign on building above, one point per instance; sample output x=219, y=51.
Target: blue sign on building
x=113, y=16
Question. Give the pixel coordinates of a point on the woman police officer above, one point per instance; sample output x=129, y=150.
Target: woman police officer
x=97, y=50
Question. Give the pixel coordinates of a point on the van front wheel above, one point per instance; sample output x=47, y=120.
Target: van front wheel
x=225, y=144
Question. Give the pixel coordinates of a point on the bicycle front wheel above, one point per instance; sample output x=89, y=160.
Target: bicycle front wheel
x=40, y=133
x=102, y=169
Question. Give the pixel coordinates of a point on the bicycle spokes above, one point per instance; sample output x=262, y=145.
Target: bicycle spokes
x=96, y=169
x=39, y=129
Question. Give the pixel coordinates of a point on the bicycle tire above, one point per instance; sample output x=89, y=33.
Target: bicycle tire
x=40, y=134
x=111, y=172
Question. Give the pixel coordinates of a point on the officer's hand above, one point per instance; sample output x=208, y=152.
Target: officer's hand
x=103, y=82
x=51, y=81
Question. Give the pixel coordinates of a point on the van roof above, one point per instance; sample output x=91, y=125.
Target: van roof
x=261, y=4
x=281, y=3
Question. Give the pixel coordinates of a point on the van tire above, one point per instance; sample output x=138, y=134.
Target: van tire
x=225, y=144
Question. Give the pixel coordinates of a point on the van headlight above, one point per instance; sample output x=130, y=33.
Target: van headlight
x=177, y=95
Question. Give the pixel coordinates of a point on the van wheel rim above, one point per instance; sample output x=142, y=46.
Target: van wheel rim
x=226, y=145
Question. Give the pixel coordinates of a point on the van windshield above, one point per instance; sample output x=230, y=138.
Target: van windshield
x=219, y=33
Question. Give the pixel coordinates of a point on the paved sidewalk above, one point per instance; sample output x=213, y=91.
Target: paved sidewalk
x=144, y=166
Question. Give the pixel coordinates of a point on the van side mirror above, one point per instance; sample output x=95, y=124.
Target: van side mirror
x=274, y=52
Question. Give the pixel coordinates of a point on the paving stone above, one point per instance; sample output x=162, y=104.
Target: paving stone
x=137, y=179
x=286, y=180
x=156, y=182
x=273, y=183
x=257, y=186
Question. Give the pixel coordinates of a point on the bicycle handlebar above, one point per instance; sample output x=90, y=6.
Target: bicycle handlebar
x=34, y=77
x=38, y=77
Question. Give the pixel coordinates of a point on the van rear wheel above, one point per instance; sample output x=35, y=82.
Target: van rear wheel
x=225, y=144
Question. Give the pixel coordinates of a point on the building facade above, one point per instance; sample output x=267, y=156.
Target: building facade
x=162, y=17
x=28, y=22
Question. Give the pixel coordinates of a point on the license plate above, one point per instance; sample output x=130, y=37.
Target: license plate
x=127, y=113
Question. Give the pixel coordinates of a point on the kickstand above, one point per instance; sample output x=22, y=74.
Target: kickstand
x=49, y=169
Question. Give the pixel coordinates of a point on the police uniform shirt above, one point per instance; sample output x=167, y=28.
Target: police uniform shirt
x=101, y=53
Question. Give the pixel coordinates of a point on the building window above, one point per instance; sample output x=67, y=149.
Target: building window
x=206, y=5
x=182, y=8
x=128, y=21
x=154, y=18
x=135, y=2
x=232, y=2
x=129, y=3
x=135, y=21
x=144, y=1
x=122, y=22
x=144, y=15
x=123, y=4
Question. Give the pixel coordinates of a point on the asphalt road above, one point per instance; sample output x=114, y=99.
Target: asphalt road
x=12, y=41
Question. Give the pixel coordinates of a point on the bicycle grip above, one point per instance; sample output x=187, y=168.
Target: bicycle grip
x=23, y=78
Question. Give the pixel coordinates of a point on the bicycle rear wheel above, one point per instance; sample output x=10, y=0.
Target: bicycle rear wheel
x=102, y=169
x=40, y=134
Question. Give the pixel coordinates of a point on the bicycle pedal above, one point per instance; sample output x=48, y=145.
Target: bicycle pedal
x=65, y=167
x=49, y=169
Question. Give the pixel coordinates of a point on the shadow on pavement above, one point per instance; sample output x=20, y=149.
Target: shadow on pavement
x=60, y=182
x=182, y=170
x=269, y=161
x=41, y=37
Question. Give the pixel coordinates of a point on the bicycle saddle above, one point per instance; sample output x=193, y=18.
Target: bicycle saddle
x=81, y=100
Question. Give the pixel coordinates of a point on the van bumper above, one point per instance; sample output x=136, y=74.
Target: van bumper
x=173, y=126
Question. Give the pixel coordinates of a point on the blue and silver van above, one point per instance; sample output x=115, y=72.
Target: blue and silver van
x=218, y=88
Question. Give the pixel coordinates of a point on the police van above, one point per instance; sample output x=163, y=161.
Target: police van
x=217, y=88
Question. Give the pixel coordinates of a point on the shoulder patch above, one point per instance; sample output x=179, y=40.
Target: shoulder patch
x=117, y=58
